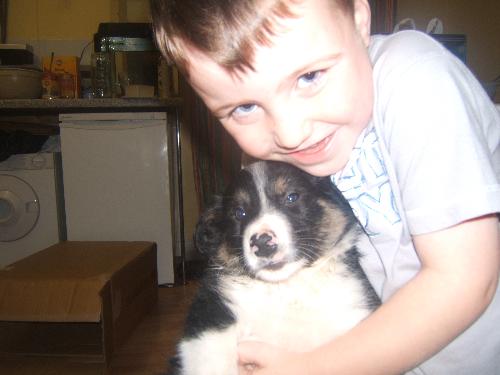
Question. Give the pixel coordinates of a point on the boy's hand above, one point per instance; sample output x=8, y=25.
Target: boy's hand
x=258, y=358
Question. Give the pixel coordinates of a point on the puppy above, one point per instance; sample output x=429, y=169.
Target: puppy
x=284, y=269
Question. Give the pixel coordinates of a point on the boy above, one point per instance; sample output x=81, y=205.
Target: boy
x=408, y=135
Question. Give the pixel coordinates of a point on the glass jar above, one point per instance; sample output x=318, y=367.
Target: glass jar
x=67, y=86
x=101, y=75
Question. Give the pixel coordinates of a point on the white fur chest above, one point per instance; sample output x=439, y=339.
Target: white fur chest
x=314, y=306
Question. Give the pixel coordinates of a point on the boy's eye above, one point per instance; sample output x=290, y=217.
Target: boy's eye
x=244, y=109
x=309, y=78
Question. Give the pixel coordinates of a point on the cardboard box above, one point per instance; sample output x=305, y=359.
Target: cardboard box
x=76, y=299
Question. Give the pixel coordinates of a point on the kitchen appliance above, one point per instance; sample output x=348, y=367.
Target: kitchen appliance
x=134, y=57
x=31, y=205
x=117, y=184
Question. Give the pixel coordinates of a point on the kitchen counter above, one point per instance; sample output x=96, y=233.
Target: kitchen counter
x=24, y=106
x=41, y=117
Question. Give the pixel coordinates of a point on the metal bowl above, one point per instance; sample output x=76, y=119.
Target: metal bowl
x=20, y=83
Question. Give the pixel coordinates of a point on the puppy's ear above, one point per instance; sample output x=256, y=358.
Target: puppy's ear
x=208, y=232
x=330, y=191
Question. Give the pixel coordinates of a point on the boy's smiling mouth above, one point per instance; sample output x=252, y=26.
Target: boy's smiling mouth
x=315, y=147
x=313, y=153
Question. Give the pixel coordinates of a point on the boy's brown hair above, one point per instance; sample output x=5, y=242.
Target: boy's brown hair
x=227, y=31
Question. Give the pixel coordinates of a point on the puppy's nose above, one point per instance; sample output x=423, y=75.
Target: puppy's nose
x=265, y=245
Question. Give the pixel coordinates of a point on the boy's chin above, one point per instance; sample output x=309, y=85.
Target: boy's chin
x=318, y=170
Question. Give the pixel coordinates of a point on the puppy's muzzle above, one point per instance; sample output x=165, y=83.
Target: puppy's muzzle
x=264, y=245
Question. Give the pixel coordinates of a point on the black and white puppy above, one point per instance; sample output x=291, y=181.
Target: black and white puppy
x=284, y=269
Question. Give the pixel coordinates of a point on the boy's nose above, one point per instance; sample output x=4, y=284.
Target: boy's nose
x=291, y=131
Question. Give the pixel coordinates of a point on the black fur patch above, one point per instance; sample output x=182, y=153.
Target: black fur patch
x=351, y=259
x=209, y=310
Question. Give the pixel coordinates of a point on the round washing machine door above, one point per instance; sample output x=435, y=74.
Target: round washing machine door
x=19, y=208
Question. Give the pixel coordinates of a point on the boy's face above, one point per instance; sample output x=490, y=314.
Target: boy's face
x=310, y=95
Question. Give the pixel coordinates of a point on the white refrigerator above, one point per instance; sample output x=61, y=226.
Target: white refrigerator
x=116, y=180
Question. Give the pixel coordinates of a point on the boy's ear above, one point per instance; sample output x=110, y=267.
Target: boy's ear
x=362, y=20
x=208, y=232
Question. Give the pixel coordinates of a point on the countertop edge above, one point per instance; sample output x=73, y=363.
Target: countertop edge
x=75, y=104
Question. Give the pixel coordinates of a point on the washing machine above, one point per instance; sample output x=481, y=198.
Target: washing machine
x=31, y=205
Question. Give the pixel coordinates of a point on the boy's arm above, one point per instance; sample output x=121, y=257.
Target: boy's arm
x=458, y=279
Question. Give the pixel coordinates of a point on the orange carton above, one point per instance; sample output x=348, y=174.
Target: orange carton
x=66, y=70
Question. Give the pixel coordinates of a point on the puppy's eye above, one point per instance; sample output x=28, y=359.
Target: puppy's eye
x=239, y=213
x=292, y=197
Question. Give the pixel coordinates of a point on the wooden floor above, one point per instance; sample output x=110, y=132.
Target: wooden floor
x=146, y=352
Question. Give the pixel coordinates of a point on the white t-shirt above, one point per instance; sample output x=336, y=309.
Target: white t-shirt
x=429, y=159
